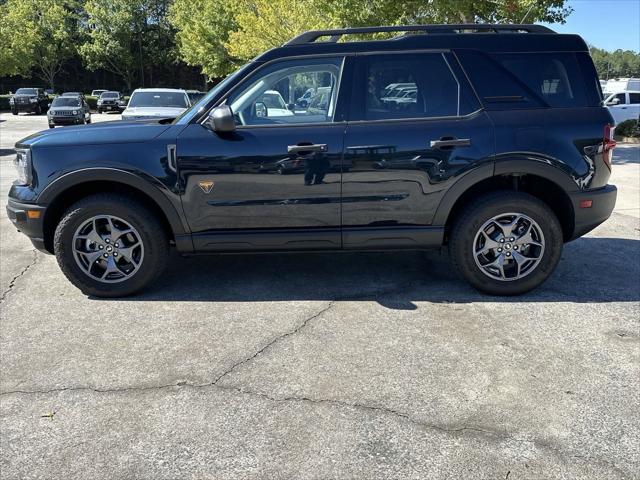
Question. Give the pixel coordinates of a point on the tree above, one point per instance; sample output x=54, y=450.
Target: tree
x=127, y=36
x=45, y=40
x=219, y=34
x=203, y=28
x=621, y=63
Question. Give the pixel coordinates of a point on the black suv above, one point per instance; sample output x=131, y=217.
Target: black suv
x=488, y=139
x=33, y=100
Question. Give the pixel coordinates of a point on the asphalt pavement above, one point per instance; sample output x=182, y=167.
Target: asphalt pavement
x=323, y=366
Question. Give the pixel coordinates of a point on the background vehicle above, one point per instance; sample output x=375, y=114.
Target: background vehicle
x=33, y=100
x=69, y=110
x=97, y=93
x=195, y=96
x=272, y=105
x=156, y=103
x=623, y=105
x=503, y=156
x=111, y=102
x=622, y=85
x=73, y=94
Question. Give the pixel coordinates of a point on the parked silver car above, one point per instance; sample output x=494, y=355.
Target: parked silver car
x=156, y=103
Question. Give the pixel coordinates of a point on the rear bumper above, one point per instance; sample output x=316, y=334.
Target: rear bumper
x=32, y=227
x=603, y=200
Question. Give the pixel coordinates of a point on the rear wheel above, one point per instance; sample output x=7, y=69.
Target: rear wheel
x=111, y=245
x=506, y=243
x=14, y=112
x=38, y=110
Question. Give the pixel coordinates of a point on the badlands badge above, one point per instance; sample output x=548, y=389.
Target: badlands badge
x=206, y=185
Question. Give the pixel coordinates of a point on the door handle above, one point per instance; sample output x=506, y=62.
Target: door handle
x=445, y=142
x=314, y=147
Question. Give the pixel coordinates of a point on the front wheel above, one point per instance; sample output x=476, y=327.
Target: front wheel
x=14, y=112
x=506, y=243
x=111, y=245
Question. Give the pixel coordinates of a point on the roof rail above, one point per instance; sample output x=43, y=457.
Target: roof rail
x=335, y=35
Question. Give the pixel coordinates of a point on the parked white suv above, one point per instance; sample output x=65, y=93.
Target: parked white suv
x=623, y=105
x=156, y=103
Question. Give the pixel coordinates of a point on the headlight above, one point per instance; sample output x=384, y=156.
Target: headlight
x=75, y=112
x=33, y=100
x=23, y=166
x=99, y=102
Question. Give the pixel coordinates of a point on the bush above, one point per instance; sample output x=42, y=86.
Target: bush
x=92, y=101
x=628, y=128
x=4, y=102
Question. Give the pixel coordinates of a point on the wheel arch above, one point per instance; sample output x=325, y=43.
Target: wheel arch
x=542, y=180
x=69, y=188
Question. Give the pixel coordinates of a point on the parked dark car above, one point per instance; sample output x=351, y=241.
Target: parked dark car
x=69, y=110
x=503, y=155
x=33, y=100
x=111, y=102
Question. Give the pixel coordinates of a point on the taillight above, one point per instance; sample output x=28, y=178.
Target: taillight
x=608, y=144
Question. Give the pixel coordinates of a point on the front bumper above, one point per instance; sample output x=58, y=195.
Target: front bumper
x=22, y=215
x=65, y=120
x=24, y=107
x=603, y=200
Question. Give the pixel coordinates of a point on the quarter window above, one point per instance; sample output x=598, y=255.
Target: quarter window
x=634, y=98
x=289, y=92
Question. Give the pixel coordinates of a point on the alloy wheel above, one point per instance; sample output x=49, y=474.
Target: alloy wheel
x=108, y=249
x=508, y=246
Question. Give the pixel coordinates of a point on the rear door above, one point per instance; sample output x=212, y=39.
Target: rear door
x=406, y=146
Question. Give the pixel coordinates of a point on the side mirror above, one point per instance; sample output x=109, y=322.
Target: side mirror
x=221, y=119
x=261, y=109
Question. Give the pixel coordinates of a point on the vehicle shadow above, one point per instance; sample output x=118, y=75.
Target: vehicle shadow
x=7, y=151
x=591, y=270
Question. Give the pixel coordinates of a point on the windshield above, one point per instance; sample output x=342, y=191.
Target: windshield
x=26, y=91
x=158, y=99
x=186, y=116
x=66, y=102
x=110, y=95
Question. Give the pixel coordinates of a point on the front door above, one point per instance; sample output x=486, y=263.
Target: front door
x=275, y=182
x=414, y=129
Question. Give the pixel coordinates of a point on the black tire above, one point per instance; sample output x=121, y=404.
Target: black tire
x=473, y=217
x=99, y=111
x=130, y=209
x=38, y=110
x=52, y=126
x=89, y=120
x=14, y=112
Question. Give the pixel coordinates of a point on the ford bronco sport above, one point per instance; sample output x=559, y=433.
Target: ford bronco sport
x=498, y=147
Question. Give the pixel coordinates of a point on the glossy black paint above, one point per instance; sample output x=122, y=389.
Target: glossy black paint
x=379, y=184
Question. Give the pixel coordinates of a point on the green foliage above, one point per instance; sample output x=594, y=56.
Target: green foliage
x=4, y=102
x=203, y=28
x=621, y=63
x=37, y=35
x=628, y=128
x=125, y=36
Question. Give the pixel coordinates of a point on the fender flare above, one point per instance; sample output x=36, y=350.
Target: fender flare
x=149, y=186
x=540, y=167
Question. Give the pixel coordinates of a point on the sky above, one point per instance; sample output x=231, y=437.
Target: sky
x=607, y=24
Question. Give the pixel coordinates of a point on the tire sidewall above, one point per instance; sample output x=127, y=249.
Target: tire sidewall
x=470, y=224
x=79, y=214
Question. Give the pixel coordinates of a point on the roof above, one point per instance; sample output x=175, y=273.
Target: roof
x=167, y=90
x=485, y=37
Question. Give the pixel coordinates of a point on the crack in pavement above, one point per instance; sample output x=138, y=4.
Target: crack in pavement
x=12, y=283
x=486, y=433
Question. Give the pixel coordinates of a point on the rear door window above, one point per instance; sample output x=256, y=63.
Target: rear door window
x=634, y=98
x=400, y=86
